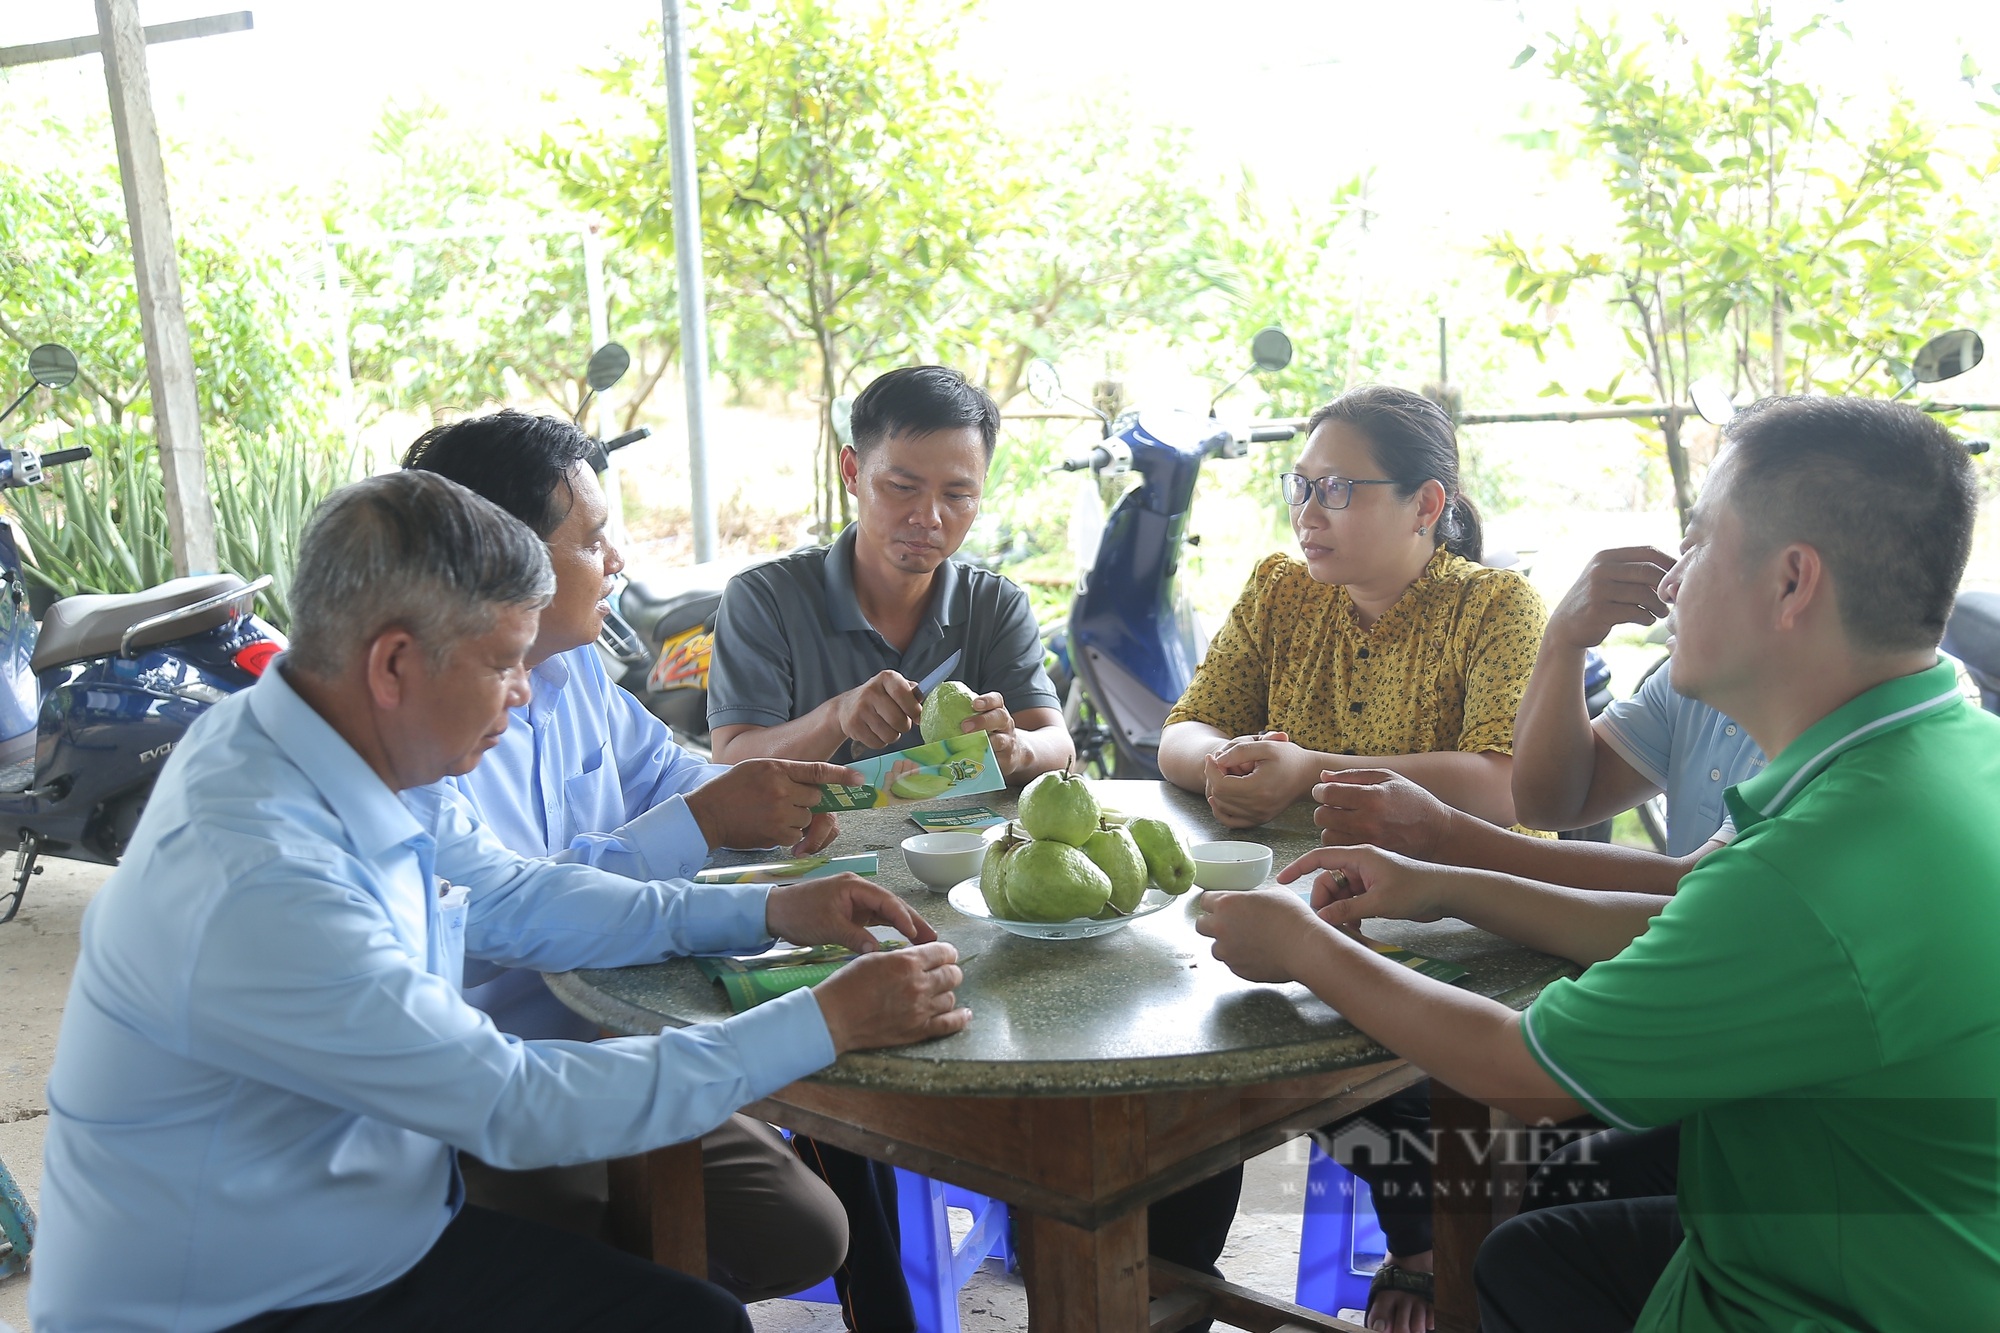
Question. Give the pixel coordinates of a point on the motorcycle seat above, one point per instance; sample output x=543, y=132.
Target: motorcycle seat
x=659, y=617
x=83, y=627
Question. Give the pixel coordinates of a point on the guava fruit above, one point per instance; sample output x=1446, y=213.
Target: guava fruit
x=1112, y=850
x=945, y=708
x=993, y=874
x=930, y=756
x=1167, y=858
x=1053, y=881
x=970, y=742
x=1060, y=808
x=920, y=786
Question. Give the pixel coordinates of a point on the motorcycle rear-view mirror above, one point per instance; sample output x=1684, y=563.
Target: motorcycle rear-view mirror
x=1947, y=355
x=1044, y=384
x=608, y=365
x=1711, y=400
x=52, y=366
x=1271, y=349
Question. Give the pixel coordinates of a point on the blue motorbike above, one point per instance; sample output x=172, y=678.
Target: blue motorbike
x=94, y=699
x=1132, y=641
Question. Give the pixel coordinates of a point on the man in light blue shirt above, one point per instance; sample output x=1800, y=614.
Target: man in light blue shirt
x=1571, y=771
x=265, y=1064
x=585, y=773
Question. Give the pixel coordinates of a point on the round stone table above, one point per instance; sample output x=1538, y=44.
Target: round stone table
x=1097, y=1076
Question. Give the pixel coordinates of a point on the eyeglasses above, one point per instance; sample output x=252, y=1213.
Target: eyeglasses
x=1331, y=492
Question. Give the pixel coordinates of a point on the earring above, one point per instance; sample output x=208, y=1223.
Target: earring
x=1424, y=529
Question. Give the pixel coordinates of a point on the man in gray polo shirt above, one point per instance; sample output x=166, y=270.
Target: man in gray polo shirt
x=820, y=654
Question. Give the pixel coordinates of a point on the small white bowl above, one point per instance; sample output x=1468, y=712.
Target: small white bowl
x=1230, y=865
x=943, y=859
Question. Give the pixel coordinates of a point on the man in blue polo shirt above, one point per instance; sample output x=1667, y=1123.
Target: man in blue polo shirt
x=1570, y=770
x=584, y=773
x=1814, y=1005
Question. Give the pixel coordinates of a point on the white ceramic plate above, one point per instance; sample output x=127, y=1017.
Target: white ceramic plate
x=966, y=897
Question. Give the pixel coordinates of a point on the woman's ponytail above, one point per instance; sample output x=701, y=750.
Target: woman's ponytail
x=1461, y=530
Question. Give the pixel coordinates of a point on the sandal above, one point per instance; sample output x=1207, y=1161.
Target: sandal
x=1391, y=1278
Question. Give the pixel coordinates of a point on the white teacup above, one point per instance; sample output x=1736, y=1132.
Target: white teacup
x=941, y=860
x=1230, y=865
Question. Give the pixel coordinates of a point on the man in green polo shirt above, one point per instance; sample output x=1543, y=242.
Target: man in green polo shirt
x=1816, y=1006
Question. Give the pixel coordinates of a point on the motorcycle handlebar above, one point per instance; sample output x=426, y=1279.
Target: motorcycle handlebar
x=1098, y=457
x=629, y=437
x=1271, y=434
x=61, y=456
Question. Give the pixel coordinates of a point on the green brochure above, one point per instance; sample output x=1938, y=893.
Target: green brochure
x=954, y=766
x=1435, y=968
x=748, y=982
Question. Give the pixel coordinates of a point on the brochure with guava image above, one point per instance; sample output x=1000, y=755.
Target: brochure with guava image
x=791, y=872
x=965, y=817
x=953, y=766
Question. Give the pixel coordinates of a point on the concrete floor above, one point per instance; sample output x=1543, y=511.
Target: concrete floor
x=38, y=950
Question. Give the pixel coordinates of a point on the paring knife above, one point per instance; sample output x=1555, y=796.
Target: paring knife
x=942, y=674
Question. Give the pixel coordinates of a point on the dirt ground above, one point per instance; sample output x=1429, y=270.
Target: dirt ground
x=38, y=951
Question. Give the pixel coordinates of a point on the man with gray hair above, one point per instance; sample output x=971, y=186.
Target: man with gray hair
x=265, y=1064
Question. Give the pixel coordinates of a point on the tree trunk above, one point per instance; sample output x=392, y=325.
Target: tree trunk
x=1777, y=343
x=1677, y=463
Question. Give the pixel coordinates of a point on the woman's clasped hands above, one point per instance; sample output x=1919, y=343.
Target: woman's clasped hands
x=1249, y=780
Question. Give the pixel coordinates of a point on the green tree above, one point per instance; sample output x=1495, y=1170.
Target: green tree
x=1109, y=234
x=1759, y=239
x=848, y=178
x=453, y=323
x=66, y=276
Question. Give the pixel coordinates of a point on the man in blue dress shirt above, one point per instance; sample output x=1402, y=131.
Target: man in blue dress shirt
x=585, y=773
x=265, y=1064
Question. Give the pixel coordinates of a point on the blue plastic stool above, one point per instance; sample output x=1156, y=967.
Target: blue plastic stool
x=17, y=1226
x=933, y=1266
x=1340, y=1244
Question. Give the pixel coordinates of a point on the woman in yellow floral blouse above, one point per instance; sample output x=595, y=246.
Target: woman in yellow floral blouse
x=1387, y=646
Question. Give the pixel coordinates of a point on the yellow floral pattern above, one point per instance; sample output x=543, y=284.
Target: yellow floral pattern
x=1443, y=669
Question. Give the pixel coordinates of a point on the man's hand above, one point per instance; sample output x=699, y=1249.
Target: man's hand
x=1617, y=587
x=1354, y=883
x=893, y=999
x=876, y=714
x=1257, y=934
x=1382, y=809
x=991, y=716
x=819, y=835
x=838, y=910
x=767, y=803
x=1251, y=779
